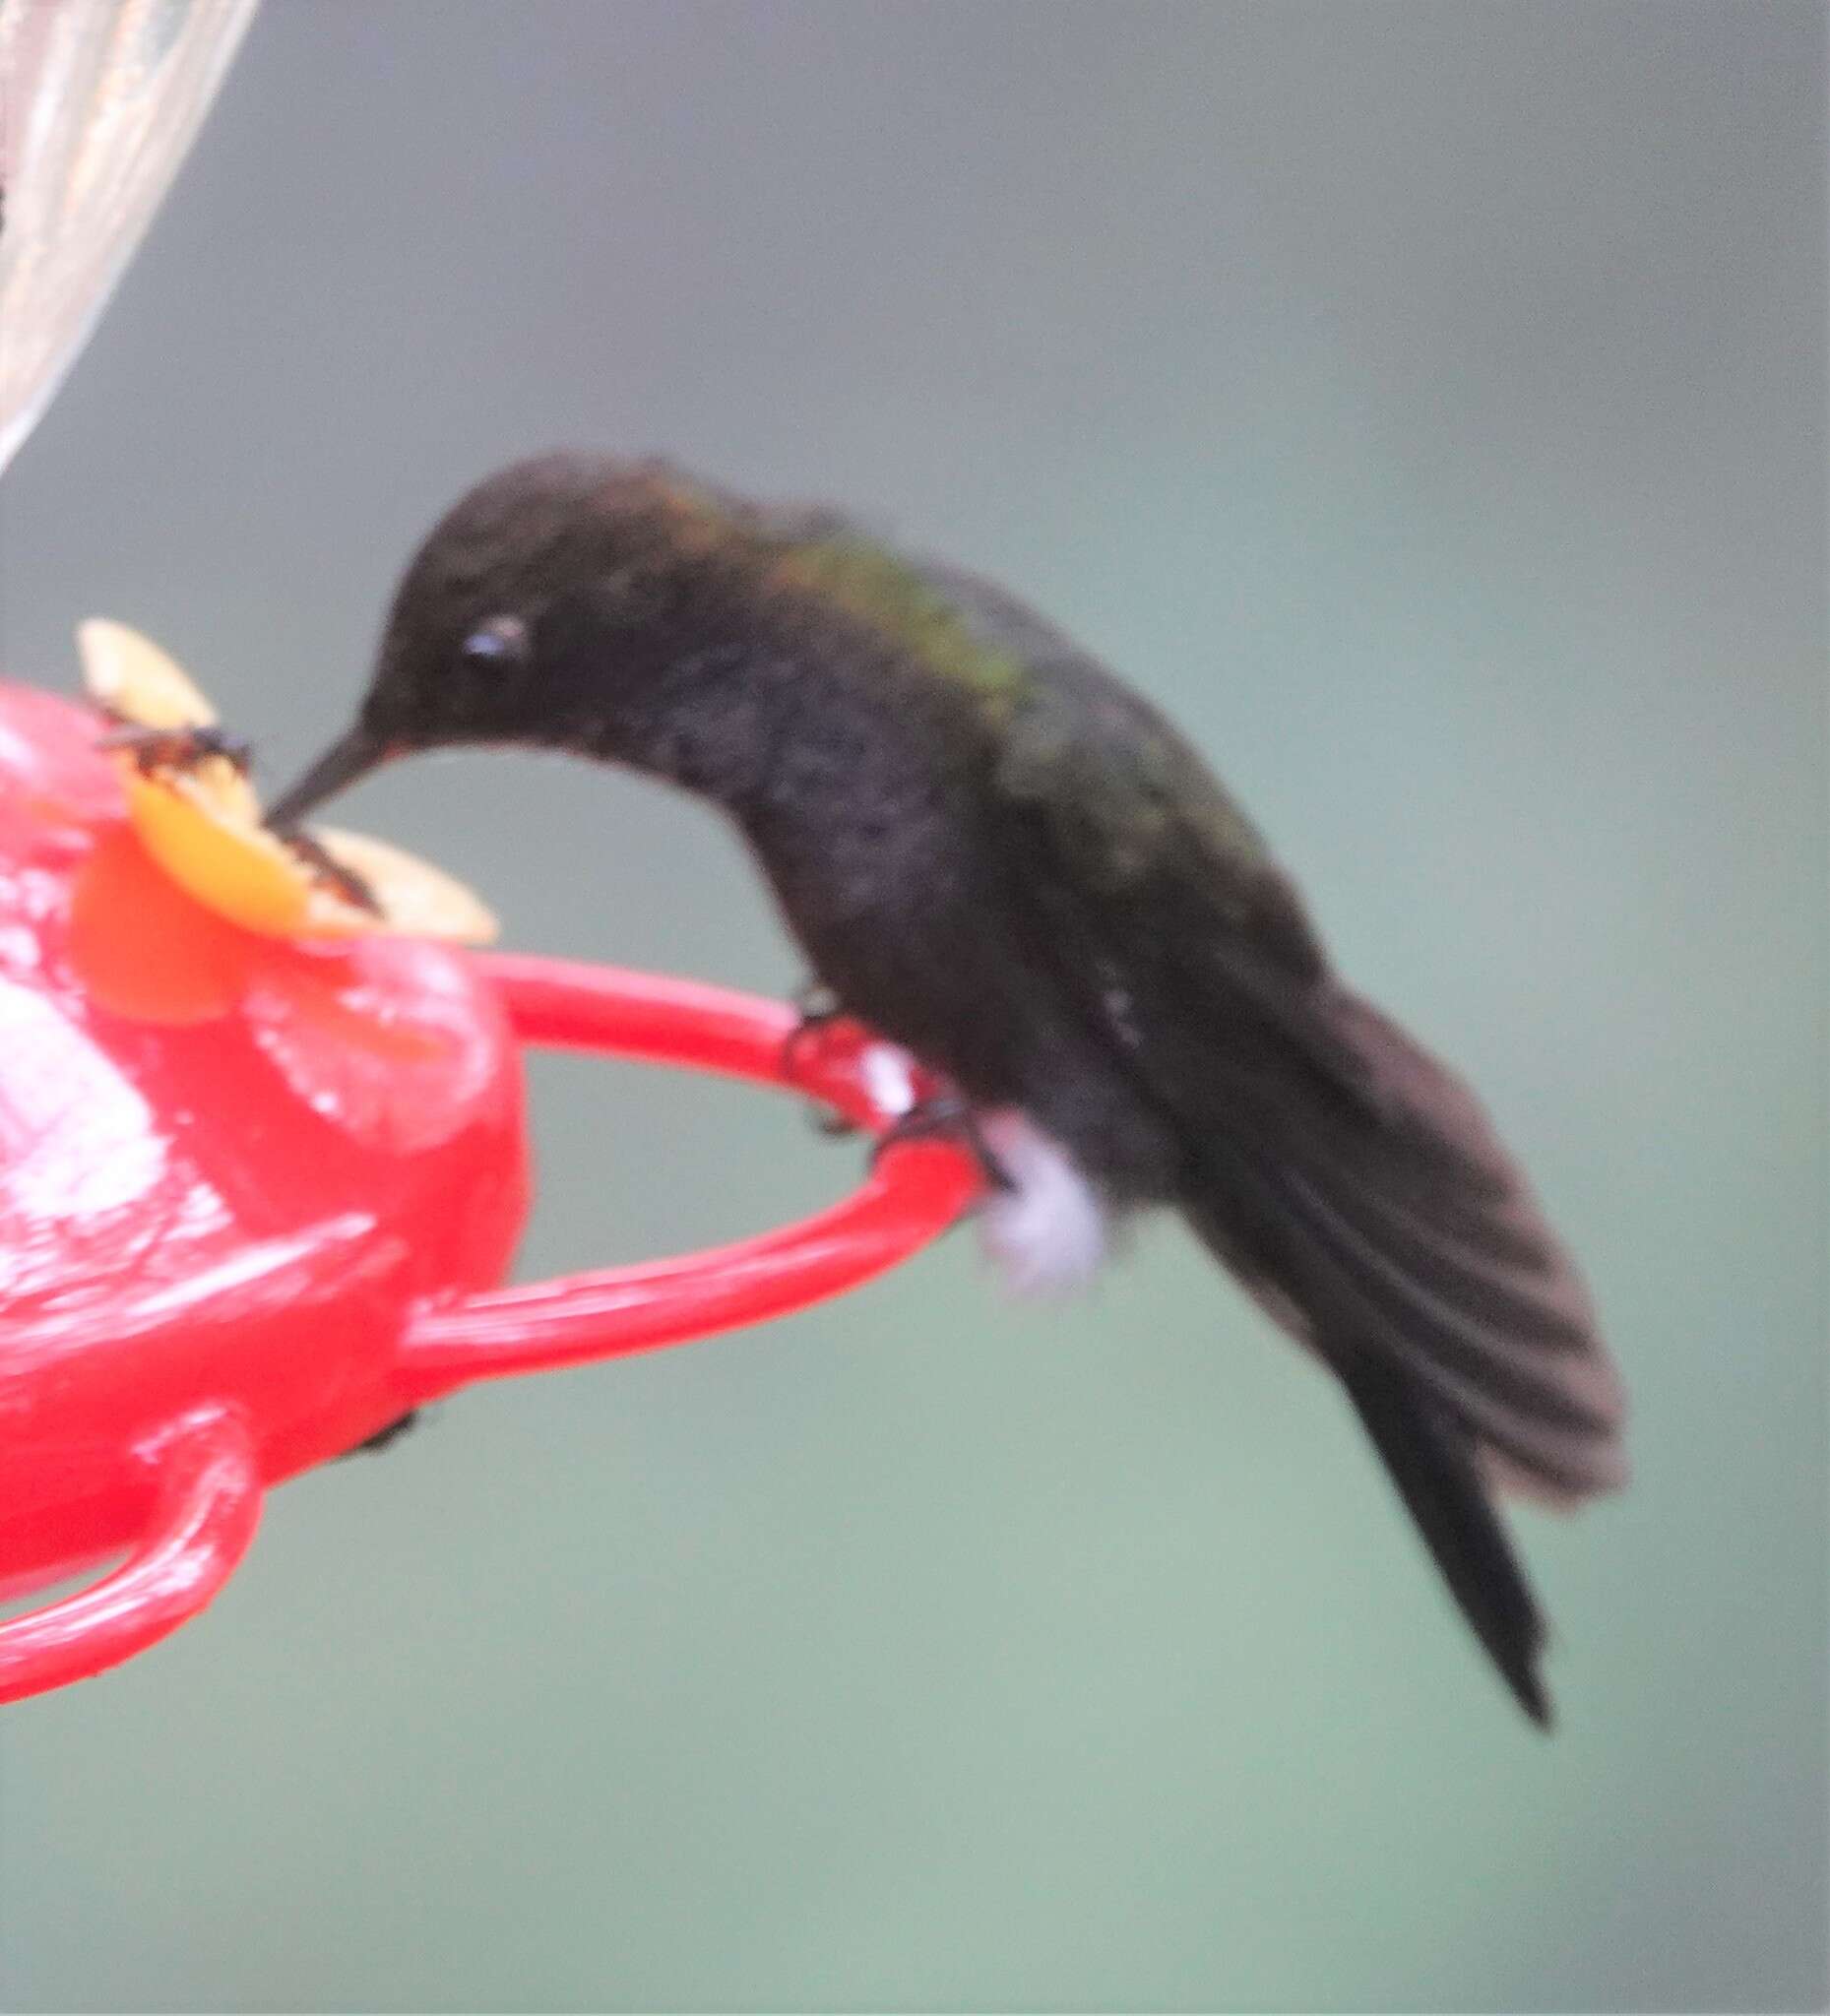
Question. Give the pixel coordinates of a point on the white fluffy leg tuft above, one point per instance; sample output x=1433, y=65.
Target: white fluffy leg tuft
x=1048, y=1233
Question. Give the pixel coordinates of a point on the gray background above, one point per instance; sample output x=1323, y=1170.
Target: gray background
x=1424, y=402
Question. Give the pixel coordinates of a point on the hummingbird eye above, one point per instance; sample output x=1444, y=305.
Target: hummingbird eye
x=501, y=641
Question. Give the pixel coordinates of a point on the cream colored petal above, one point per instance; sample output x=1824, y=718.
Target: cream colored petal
x=231, y=866
x=129, y=676
x=413, y=897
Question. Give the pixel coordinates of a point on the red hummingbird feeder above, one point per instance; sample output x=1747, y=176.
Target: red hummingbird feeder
x=262, y=1165
x=258, y=1192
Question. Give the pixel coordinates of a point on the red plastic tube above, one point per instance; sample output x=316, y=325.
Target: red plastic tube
x=208, y=1505
x=915, y=1191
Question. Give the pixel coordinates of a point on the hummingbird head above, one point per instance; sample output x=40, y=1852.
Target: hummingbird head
x=552, y=608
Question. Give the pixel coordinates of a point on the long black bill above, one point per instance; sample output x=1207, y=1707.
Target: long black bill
x=354, y=756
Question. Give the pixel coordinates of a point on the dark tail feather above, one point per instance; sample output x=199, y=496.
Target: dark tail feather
x=1437, y=1478
x=1388, y=1228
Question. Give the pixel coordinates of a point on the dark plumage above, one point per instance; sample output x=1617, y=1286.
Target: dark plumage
x=997, y=854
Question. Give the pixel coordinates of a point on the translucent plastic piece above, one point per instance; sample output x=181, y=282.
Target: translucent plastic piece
x=99, y=102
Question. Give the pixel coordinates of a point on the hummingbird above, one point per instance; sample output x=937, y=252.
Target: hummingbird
x=997, y=854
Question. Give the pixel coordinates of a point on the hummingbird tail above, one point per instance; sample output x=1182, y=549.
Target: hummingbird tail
x=1390, y=1232
x=1443, y=1493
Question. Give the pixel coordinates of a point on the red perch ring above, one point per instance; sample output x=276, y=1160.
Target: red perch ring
x=239, y=1239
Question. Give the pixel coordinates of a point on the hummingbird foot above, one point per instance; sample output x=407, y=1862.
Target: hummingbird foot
x=818, y=1008
x=942, y=1116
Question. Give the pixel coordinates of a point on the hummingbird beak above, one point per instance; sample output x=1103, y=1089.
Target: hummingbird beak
x=354, y=756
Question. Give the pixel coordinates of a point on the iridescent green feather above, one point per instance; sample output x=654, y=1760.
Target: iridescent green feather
x=881, y=589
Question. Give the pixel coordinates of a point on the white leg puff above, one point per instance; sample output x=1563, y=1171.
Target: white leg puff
x=1048, y=1233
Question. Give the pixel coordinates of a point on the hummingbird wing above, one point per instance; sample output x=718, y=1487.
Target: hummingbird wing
x=1351, y=1179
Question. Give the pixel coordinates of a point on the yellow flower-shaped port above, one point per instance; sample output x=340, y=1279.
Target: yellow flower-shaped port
x=197, y=815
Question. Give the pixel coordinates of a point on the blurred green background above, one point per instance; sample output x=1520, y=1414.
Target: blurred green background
x=1425, y=403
